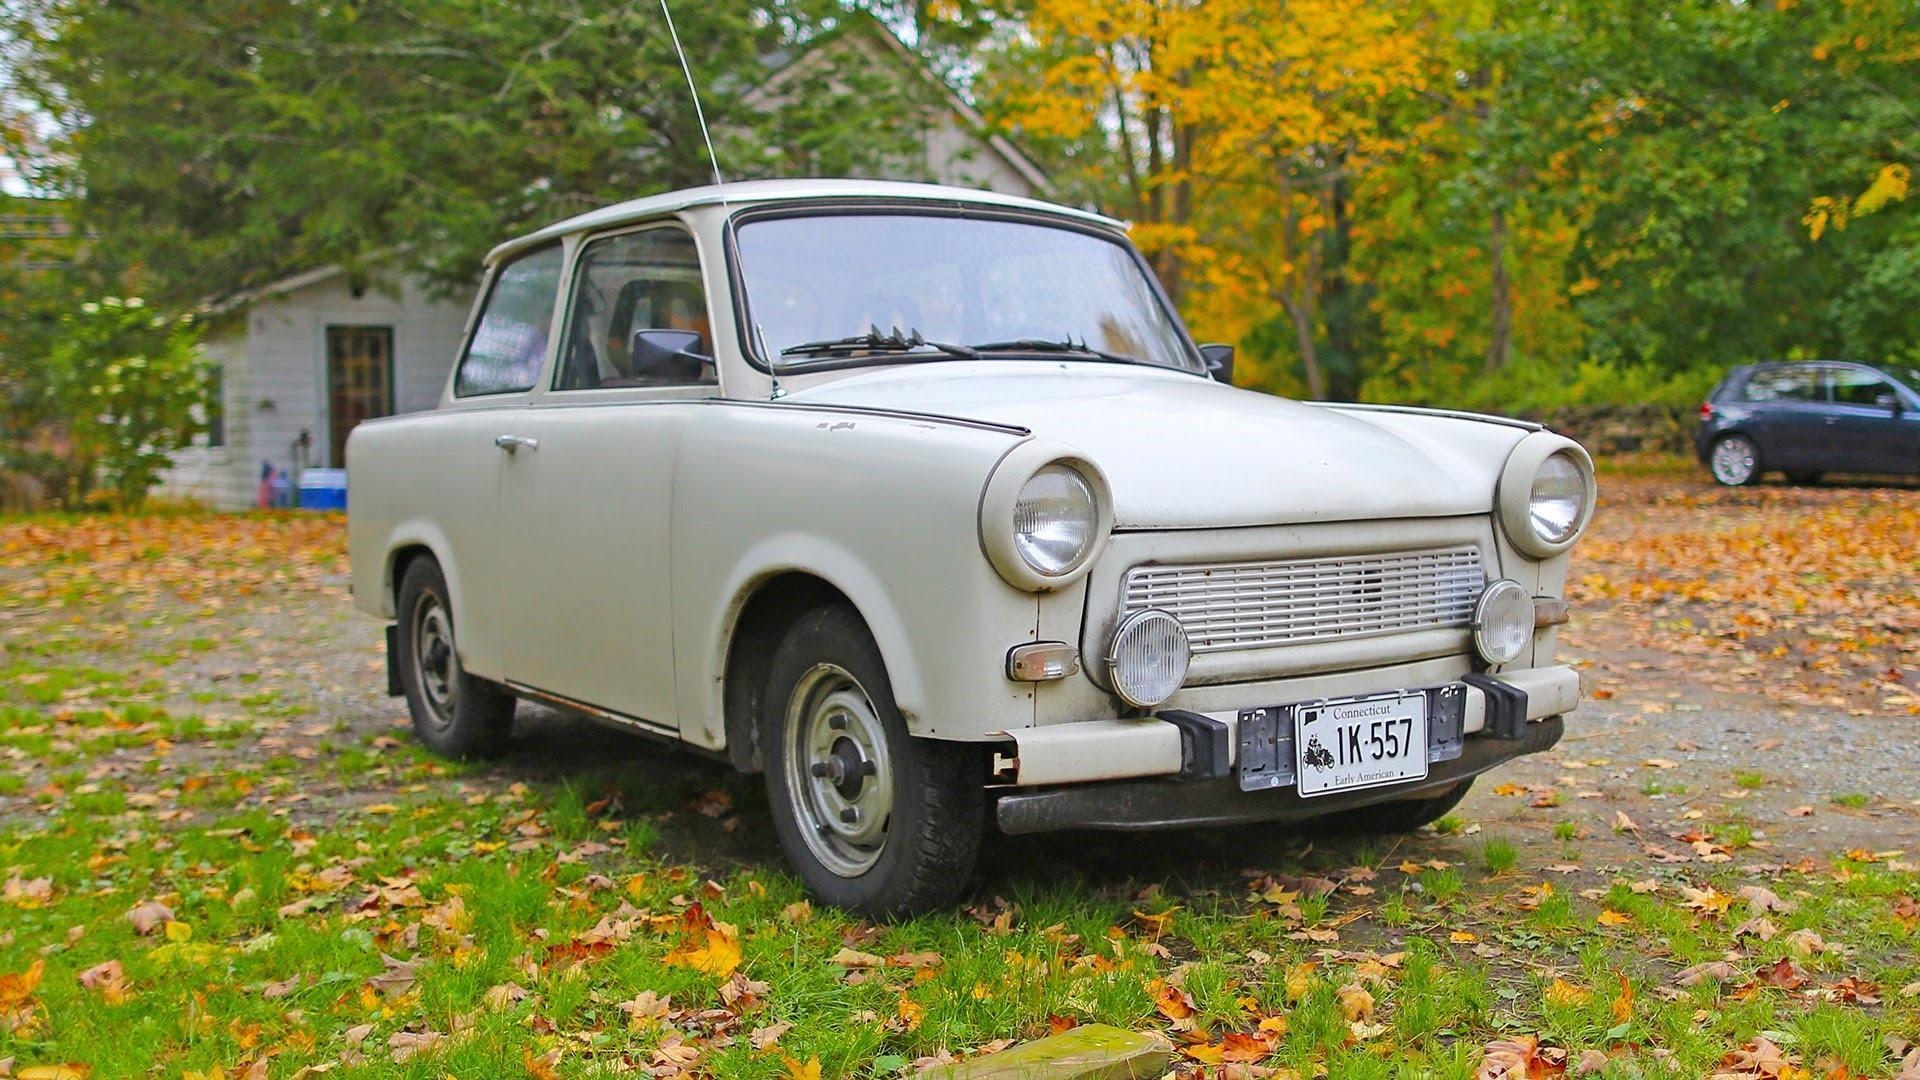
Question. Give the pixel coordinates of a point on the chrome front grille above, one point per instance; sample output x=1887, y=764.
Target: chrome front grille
x=1257, y=605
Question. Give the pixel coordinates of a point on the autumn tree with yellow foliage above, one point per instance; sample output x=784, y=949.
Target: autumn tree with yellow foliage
x=1502, y=203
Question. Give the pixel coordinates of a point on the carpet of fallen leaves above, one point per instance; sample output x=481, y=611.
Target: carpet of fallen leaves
x=222, y=856
x=1805, y=595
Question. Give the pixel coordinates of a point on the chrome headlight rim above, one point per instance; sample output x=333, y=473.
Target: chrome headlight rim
x=1515, y=597
x=1128, y=688
x=999, y=503
x=1515, y=495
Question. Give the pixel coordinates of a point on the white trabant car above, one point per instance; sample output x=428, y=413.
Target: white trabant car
x=922, y=502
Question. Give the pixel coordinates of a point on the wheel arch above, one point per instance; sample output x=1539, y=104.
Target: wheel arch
x=764, y=609
x=407, y=545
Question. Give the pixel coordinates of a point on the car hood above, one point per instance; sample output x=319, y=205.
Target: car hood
x=1181, y=451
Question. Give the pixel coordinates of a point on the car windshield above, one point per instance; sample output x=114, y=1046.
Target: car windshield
x=883, y=287
x=1908, y=376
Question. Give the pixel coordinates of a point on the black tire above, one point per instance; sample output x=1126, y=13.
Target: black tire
x=834, y=741
x=456, y=715
x=1400, y=816
x=1803, y=478
x=1734, y=460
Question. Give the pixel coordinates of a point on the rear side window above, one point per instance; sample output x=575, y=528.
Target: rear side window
x=509, y=343
x=1781, y=384
x=1852, y=386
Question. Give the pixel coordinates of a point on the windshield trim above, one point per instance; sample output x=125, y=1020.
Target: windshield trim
x=854, y=206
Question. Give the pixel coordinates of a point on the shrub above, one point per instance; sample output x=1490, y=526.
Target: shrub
x=130, y=385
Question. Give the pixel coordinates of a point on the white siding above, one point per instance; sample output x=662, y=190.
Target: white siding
x=205, y=473
x=276, y=386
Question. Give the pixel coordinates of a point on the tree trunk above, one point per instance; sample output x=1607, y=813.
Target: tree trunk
x=1337, y=306
x=1302, y=317
x=1500, y=340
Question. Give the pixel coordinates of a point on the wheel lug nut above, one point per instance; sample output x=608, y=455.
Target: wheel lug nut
x=849, y=815
x=818, y=768
x=837, y=723
x=868, y=768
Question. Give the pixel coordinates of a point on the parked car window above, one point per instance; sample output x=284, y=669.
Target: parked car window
x=1781, y=384
x=509, y=344
x=647, y=280
x=1852, y=386
x=965, y=281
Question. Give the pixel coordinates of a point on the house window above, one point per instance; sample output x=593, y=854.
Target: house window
x=217, y=406
x=359, y=381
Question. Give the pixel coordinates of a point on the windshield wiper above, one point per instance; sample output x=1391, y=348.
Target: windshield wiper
x=877, y=341
x=1044, y=345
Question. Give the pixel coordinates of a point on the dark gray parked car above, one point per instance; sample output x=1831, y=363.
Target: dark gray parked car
x=1804, y=419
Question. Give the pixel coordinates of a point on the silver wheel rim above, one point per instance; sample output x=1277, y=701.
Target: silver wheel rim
x=434, y=664
x=1733, y=461
x=839, y=777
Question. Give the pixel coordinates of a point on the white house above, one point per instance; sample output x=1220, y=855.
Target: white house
x=306, y=358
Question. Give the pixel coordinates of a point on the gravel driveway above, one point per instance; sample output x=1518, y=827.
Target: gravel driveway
x=1751, y=660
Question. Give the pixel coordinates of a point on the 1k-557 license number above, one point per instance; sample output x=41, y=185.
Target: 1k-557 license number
x=1360, y=743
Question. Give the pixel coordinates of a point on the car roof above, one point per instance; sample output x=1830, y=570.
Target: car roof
x=756, y=192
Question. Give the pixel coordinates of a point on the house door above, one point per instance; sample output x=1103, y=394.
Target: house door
x=359, y=381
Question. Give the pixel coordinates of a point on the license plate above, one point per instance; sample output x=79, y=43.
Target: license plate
x=1360, y=743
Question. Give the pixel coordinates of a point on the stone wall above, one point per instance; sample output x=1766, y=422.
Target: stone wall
x=1626, y=429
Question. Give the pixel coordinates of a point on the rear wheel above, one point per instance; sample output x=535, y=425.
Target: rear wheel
x=455, y=714
x=1400, y=816
x=873, y=819
x=1734, y=461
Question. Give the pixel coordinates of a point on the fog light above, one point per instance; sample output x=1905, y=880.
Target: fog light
x=1503, y=621
x=1149, y=657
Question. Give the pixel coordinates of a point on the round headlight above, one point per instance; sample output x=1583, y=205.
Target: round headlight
x=1503, y=621
x=1149, y=658
x=1558, y=499
x=1054, y=520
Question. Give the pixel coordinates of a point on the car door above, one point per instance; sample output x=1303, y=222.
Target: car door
x=1869, y=428
x=586, y=496
x=505, y=351
x=1786, y=421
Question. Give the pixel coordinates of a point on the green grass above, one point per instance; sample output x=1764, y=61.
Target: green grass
x=530, y=912
x=1498, y=856
x=1853, y=800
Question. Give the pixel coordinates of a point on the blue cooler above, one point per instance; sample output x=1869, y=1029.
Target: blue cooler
x=323, y=489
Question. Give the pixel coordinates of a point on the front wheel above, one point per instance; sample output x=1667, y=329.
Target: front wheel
x=1734, y=461
x=874, y=820
x=455, y=714
x=1399, y=816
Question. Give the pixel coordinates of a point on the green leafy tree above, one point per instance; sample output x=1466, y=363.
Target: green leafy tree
x=132, y=386
x=217, y=145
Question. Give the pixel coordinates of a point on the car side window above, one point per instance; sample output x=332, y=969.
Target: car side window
x=639, y=315
x=1781, y=384
x=1851, y=386
x=509, y=343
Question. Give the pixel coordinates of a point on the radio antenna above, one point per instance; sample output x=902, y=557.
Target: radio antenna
x=698, y=113
x=719, y=182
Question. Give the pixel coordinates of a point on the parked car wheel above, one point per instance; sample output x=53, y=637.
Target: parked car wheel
x=1403, y=815
x=874, y=820
x=455, y=714
x=1734, y=461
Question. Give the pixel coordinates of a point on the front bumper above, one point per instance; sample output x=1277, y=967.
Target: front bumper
x=1183, y=768
x=1172, y=804
x=1096, y=750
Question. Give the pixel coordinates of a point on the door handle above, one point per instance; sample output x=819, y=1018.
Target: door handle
x=510, y=443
